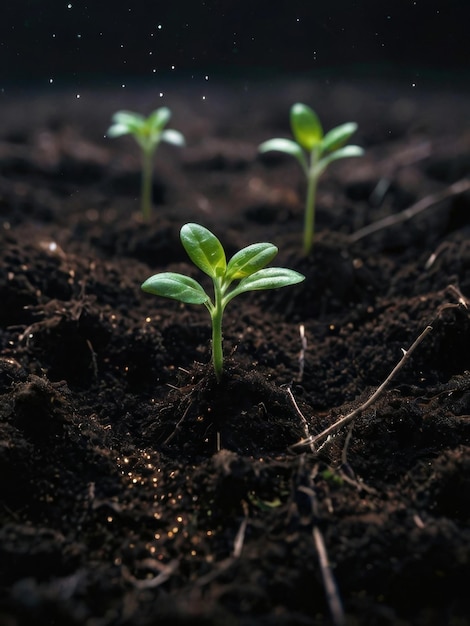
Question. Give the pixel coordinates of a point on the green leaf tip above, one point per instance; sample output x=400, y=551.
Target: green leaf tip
x=204, y=249
x=306, y=126
x=175, y=286
x=249, y=260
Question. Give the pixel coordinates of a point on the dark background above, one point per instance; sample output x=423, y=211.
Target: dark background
x=83, y=41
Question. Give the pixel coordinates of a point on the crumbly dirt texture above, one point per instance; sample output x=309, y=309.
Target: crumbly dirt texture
x=134, y=489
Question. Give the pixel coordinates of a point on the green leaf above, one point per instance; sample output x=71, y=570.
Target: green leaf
x=337, y=137
x=268, y=278
x=282, y=145
x=288, y=147
x=158, y=118
x=173, y=137
x=130, y=119
x=204, y=249
x=306, y=126
x=341, y=153
x=117, y=130
x=177, y=287
x=250, y=260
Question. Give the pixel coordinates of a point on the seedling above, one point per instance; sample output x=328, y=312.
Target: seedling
x=148, y=132
x=314, y=151
x=246, y=266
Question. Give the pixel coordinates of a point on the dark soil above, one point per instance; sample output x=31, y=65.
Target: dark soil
x=135, y=490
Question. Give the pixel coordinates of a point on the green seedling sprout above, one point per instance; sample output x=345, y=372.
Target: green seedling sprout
x=148, y=132
x=314, y=151
x=247, y=267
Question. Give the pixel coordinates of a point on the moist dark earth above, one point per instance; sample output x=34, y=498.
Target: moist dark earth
x=134, y=488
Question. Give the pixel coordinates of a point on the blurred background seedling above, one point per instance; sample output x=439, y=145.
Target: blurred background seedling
x=314, y=151
x=148, y=133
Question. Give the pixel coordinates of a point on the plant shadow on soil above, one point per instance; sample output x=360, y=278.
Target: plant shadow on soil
x=137, y=490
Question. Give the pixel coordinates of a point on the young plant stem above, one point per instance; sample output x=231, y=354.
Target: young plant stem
x=216, y=312
x=309, y=220
x=146, y=189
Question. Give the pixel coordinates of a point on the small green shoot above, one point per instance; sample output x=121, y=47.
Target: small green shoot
x=148, y=132
x=314, y=151
x=247, y=267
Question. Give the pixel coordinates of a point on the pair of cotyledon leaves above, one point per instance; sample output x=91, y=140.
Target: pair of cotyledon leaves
x=147, y=131
x=207, y=253
x=309, y=137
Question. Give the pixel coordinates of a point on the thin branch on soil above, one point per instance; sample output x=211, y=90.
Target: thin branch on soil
x=418, y=521
x=462, y=301
x=313, y=440
x=345, y=471
x=224, y=565
x=94, y=361
x=300, y=414
x=303, y=349
x=344, y=451
x=165, y=572
x=240, y=536
x=441, y=248
x=332, y=595
x=455, y=189
x=437, y=252
x=331, y=589
x=178, y=426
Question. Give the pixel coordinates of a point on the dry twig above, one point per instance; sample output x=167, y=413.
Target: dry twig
x=313, y=440
x=224, y=565
x=331, y=590
x=303, y=349
x=455, y=189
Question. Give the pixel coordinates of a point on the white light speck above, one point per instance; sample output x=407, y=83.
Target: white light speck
x=159, y=27
x=53, y=35
x=51, y=80
x=161, y=94
x=172, y=67
x=203, y=97
x=154, y=71
x=206, y=77
x=123, y=85
x=69, y=6
x=78, y=95
x=413, y=84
